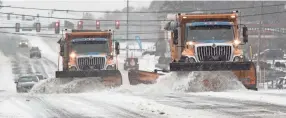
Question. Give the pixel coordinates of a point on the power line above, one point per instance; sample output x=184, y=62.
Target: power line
x=125, y=20
x=53, y=35
x=74, y=18
x=26, y=34
x=165, y=11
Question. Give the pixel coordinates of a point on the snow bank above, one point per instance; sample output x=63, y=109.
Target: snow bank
x=192, y=82
x=67, y=85
x=7, y=77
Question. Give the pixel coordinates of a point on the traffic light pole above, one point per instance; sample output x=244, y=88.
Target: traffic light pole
x=259, y=40
x=127, y=28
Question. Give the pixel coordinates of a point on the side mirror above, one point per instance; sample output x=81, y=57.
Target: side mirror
x=62, y=50
x=16, y=82
x=117, y=48
x=175, y=38
x=245, y=34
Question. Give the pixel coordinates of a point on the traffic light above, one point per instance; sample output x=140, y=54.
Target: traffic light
x=8, y=16
x=80, y=25
x=57, y=27
x=17, y=27
x=97, y=24
x=117, y=24
x=38, y=27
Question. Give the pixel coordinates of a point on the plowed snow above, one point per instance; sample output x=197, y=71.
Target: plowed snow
x=57, y=85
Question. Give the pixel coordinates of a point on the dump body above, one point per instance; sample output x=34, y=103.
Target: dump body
x=89, y=53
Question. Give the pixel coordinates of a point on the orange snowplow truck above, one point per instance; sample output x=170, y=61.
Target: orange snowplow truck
x=89, y=53
x=208, y=42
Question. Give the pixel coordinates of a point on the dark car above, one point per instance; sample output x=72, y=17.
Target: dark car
x=26, y=83
x=35, y=52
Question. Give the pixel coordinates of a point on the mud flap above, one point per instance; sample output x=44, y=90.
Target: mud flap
x=210, y=66
x=142, y=77
x=107, y=77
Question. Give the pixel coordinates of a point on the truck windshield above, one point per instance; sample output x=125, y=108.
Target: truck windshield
x=210, y=32
x=90, y=46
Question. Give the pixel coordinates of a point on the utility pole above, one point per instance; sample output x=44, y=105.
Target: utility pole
x=127, y=29
x=259, y=41
x=127, y=18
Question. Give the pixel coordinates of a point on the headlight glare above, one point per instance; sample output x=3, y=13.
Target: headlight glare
x=72, y=55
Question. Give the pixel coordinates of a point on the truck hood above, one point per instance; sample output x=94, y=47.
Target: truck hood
x=92, y=54
x=213, y=41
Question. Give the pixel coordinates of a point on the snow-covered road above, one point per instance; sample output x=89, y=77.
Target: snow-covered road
x=161, y=100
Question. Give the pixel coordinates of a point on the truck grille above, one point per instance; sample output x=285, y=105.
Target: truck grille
x=218, y=53
x=94, y=62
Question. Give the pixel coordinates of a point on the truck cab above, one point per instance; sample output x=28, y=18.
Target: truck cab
x=208, y=37
x=88, y=50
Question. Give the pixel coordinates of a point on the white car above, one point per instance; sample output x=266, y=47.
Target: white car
x=26, y=83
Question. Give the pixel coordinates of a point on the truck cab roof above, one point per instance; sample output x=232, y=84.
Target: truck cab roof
x=88, y=39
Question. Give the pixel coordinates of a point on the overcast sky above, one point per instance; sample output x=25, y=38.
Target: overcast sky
x=88, y=5
x=101, y=5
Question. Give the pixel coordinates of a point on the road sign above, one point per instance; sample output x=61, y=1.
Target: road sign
x=139, y=41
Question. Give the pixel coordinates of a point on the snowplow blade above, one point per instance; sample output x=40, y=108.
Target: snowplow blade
x=210, y=66
x=142, y=77
x=248, y=77
x=107, y=77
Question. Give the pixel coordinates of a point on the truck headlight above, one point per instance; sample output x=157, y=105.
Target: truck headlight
x=72, y=55
x=190, y=44
x=236, y=42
